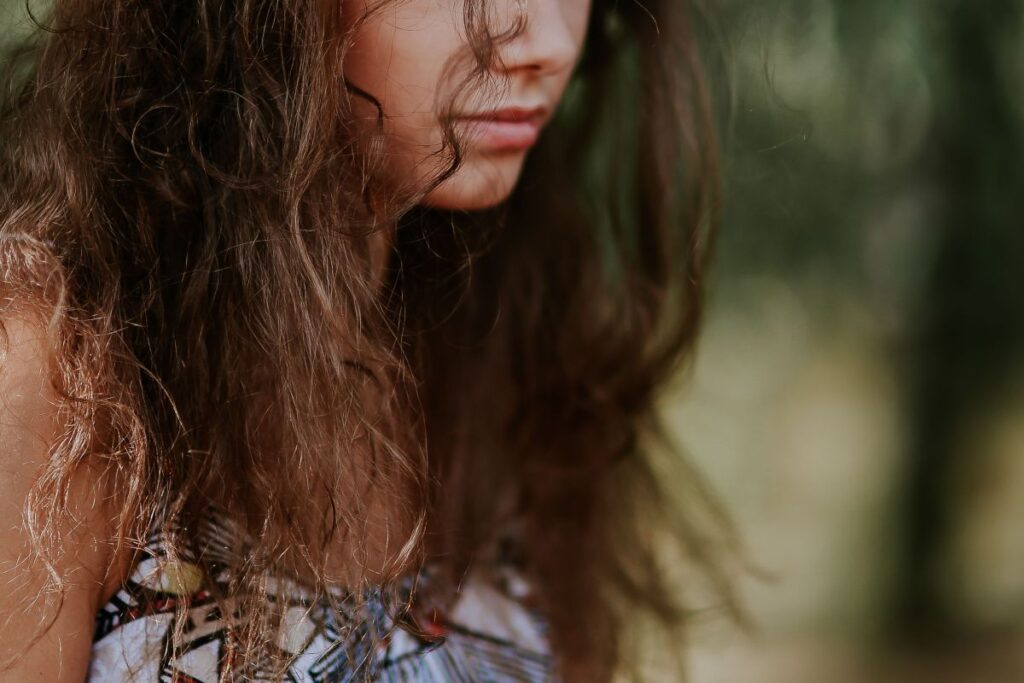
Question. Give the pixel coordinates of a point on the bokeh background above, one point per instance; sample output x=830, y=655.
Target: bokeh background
x=858, y=398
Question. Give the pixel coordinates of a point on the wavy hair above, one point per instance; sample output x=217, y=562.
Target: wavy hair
x=186, y=200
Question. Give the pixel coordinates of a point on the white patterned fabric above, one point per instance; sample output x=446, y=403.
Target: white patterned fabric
x=490, y=634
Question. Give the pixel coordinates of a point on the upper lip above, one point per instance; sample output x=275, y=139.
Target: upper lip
x=534, y=114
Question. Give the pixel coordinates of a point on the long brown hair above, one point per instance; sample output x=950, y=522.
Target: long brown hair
x=185, y=199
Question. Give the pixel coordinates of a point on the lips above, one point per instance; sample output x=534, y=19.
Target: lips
x=509, y=128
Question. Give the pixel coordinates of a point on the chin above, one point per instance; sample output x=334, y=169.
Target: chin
x=472, y=189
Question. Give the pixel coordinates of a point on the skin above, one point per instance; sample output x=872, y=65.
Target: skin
x=28, y=423
x=399, y=57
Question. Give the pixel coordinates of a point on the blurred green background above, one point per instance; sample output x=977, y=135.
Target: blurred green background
x=858, y=397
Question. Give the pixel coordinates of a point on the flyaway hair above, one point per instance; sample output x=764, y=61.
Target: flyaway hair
x=188, y=205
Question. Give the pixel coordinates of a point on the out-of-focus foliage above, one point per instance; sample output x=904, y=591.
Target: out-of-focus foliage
x=858, y=398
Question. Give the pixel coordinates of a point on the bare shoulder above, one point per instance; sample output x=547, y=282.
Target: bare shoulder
x=29, y=425
x=27, y=406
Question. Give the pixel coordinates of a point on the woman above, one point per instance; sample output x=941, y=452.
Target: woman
x=332, y=333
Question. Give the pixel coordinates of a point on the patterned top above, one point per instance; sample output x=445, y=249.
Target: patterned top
x=491, y=634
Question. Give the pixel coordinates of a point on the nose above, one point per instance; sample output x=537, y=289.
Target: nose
x=550, y=41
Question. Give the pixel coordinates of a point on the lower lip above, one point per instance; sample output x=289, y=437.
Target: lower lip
x=503, y=135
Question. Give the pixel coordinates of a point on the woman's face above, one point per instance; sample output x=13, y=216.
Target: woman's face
x=399, y=56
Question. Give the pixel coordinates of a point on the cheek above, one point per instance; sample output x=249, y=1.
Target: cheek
x=398, y=57
x=577, y=16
